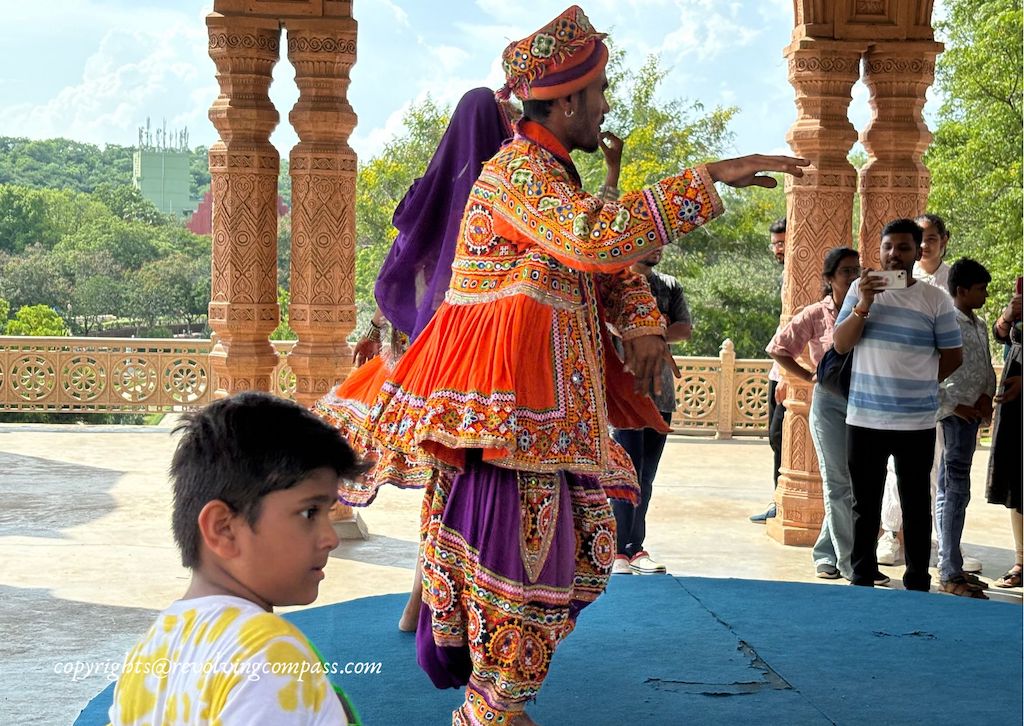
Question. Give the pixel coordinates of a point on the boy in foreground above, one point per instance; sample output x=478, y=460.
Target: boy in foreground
x=254, y=477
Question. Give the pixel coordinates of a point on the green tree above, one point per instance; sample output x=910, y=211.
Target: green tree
x=284, y=250
x=23, y=218
x=283, y=331
x=5, y=312
x=199, y=168
x=34, y=278
x=37, y=320
x=975, y=157
x=382, y=182
x=661, y=137
x=284, y=182
x=127, y=203
x=93, y=298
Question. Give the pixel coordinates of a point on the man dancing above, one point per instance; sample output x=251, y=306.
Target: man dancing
x=502, y=405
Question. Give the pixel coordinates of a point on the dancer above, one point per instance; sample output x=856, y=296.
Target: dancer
x=501, y=407
x=427, y=220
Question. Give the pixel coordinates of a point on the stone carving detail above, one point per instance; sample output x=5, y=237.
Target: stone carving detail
x=243, y=170
x=83, y=378
x=33, y=377
x=895, y=182
x=870, y=7
x=323, y=170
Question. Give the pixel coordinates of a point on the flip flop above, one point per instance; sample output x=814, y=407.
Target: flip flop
x=1012, y=578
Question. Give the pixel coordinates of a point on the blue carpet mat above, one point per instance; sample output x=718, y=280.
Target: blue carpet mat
x=665, y=650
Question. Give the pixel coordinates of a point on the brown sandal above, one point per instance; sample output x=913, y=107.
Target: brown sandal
x=1012, y=578
x=962, y=588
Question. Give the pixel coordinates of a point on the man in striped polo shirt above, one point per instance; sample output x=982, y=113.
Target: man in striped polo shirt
x=904, y=342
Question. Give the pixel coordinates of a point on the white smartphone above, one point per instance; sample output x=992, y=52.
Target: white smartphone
x=891, y=279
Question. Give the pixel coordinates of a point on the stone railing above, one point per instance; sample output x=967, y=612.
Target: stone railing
x=112, y=375
x=721, y=397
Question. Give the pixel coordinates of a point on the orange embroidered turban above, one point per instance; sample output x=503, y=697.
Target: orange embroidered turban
x=564, y=56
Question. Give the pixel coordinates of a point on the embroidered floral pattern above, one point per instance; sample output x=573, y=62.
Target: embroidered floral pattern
x=511, y=630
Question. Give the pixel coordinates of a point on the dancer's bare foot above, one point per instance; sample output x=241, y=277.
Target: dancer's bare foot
x=524, y=719
x=411, y=615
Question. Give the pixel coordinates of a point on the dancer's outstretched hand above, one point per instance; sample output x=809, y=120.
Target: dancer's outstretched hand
x=746, y=171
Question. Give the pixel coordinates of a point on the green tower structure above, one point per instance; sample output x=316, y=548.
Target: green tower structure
x=161, y=170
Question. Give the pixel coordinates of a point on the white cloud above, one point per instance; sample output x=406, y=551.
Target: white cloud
x=131, y=75
x=400, y=15
x=449, y=57
x=705, y=29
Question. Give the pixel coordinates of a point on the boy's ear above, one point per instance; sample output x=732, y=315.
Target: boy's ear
x=218, y=527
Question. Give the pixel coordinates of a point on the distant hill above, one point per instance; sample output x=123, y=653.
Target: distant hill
x=67, y=164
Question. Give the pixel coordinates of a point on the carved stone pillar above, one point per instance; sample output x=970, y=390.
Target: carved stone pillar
x=323, y=171
x=819, y=217
x=243, y=170
x=895, y=182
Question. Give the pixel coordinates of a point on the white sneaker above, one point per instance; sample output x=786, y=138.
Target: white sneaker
x=642, y=564
x=621, y=566
x=888, y=550
x=971, y=564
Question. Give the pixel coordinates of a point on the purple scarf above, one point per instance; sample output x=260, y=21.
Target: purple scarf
x=413, y=280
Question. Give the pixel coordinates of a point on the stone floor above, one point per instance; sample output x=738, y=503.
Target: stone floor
x=87, y=555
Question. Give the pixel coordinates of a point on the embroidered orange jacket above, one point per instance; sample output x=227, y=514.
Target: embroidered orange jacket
x=516, y=361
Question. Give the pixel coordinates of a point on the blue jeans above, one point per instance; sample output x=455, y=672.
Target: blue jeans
x=954, y=492
x=828, y=431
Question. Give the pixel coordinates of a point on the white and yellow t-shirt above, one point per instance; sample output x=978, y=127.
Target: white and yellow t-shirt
x=223, y=660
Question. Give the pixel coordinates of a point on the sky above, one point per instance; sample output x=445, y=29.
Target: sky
x=94, y=70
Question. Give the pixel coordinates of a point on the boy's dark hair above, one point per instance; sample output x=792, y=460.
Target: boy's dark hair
x=967, y=273
x=537, y=110
x=904, y=226
x=778, y=226
x=240, y=449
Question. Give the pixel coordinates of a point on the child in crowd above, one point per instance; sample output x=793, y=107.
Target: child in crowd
x=254, y=477
x=965, y=400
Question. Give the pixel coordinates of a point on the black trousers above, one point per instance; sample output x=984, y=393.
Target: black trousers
x=776, y=412
x=868, y=451
x=644, y=447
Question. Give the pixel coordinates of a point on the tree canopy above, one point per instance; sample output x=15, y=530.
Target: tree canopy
x=975, y=156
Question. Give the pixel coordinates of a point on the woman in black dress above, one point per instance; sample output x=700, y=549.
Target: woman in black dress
x=1004, y=473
